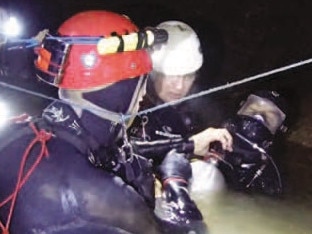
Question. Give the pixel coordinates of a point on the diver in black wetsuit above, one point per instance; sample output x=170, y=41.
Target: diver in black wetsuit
x=176, y=66
x=251, y=166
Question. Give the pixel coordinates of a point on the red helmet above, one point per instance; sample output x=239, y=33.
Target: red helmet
x=79, y=65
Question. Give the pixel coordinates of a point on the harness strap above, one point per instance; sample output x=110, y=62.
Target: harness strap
x=41, y=137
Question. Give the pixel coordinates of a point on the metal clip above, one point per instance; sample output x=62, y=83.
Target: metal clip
x=126, y=148
x=143, y=123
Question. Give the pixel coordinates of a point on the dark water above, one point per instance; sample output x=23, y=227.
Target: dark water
x=232, y=213
x=237, y=213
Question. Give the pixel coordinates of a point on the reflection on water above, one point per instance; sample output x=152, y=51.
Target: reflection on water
x=233, y=213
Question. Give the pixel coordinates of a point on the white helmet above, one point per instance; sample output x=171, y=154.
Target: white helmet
x=181, y=54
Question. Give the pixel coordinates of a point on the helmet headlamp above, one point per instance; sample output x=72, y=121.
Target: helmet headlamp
x=89, y=60
x=96, y=48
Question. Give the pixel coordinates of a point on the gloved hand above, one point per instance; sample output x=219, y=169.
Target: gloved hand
x=203, y=140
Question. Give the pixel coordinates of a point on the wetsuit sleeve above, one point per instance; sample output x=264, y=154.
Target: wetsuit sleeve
x=158, y=149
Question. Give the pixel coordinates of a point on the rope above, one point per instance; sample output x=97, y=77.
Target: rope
x=42, y=137
x=226, y=86
x=83, y=107
x=172, y=103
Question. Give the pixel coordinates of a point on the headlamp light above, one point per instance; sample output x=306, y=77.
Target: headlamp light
x=89, y=60
x=4, y=113
x=11, y=27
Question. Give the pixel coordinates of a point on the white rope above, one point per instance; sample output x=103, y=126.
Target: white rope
x=202, y=93
x=226, y=86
